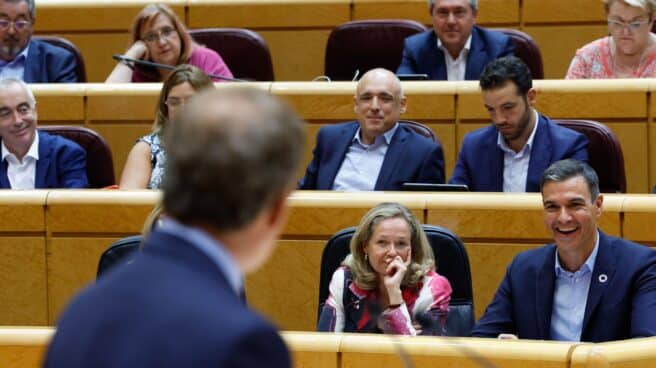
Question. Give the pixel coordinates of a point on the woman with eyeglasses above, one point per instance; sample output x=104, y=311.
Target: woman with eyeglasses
x=159, y=36
x=629, y=51
x=144, y=167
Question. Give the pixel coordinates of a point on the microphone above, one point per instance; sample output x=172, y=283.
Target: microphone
x=126, y=59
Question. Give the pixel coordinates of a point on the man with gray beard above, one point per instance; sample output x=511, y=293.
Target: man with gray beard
x=32, y=61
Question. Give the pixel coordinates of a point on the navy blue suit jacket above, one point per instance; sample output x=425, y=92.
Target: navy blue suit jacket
x=61, y=164
x=46, y=63
x=622, y=307
x=421, y=55
x=171, y=307
x=480, y=161
x=410, y=157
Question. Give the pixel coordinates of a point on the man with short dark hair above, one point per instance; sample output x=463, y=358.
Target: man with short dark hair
x=24, y=58
x=375, y=152
x=178, y=303
x=33, y=159
x=587, y=286
x=511, y=154
x=456, y=48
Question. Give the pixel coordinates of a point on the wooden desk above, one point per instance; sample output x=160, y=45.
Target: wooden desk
x=122, y=113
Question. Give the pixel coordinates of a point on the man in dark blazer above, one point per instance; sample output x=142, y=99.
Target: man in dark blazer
x=178, y=303
x=455, y=49
x=375, y=152
x=31, y=158
x=587, y=286
x=30, y=60
x=511, y=154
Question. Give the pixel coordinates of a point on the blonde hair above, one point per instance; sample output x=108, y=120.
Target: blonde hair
x=423, y=259
x=647, y=5
x=184, y=73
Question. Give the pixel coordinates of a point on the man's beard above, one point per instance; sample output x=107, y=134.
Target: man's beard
x=10, y=49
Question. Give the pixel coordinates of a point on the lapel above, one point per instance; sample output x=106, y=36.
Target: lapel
x=43, y=163
x=341, y=146
x=392, y=158
x=476, y=57
x=494, y=162
x=540, y=155
x=4, y=180
x=31, y=69
x=544, y=291
x=433, y=59
x=604, y=265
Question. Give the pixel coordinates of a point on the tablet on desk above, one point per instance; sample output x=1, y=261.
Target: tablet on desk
x=429, y=187
x=412, y=77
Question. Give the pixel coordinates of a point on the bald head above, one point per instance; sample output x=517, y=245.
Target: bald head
x=230, y=154
x=379, y=103
x=380, y=74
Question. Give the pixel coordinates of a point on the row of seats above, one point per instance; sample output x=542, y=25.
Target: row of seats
x=352, y=47
x=604, y=150
x=452, y=263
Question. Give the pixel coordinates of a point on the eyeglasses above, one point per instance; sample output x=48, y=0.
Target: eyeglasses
x=19, y=25
x=154, y=36
x=618, y=25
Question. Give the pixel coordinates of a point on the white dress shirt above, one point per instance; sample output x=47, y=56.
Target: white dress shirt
x=362, y=163
x=22, y=174
x=515, y=164
x=570, y=298
x=455, y=68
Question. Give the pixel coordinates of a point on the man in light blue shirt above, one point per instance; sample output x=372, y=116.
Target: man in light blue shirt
x=587, y=286
x=375, y=152
x=510, y=154
x=21, y=57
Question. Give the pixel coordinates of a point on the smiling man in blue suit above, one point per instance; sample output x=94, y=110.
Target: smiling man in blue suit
x=178, y=303
x=588, y=286
x=511, y=154
x=455, y=49
x=32, y=159
x=30, y=60
x=375, y=152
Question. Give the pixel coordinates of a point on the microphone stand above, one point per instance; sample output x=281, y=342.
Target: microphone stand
x=126, y=59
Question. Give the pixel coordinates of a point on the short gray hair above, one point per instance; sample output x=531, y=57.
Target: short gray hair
x=473, y=4
x=8, y=82
x=31, y=7
x=566, y=169
x=648, y=5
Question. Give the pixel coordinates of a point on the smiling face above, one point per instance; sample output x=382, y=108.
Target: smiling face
x=511, y=113
x=17, y=119
x=379, y=103
x=390, y=238
x=571, y=216
x=12, y=39
x=453, y=21
x=162, y=40
x=629, y=40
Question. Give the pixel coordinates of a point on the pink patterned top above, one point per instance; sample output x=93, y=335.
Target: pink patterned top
x=595, y=61
x=352, y=309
